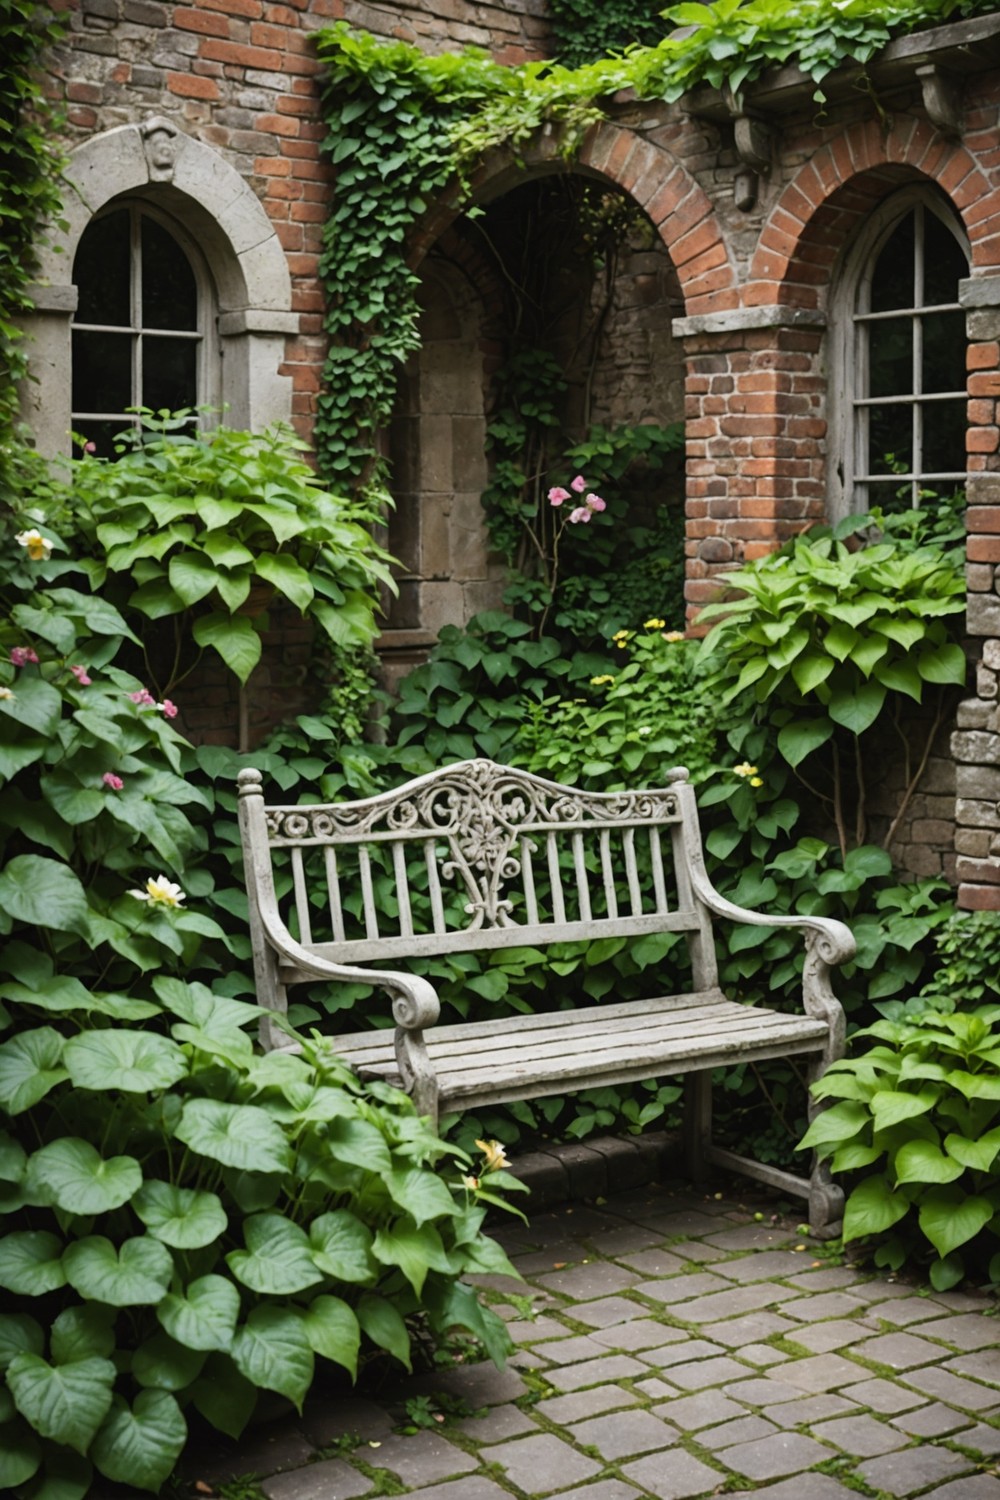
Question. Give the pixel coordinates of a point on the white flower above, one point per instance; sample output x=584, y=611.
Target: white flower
x=6, y=692
x=493, y=1154
x=39, y=547
x=160, y=891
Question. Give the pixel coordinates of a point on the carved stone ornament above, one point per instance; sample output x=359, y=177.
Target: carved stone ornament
x=159, y=140
x=942, y=94
x=754, y=139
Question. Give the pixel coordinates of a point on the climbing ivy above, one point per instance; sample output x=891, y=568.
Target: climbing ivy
x=585, y=30
x=29, y=188
x=403, y=126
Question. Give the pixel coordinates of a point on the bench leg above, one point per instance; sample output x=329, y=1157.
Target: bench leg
x=697, y=1122
x=826, y=1198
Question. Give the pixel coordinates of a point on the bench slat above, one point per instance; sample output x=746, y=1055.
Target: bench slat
x=333, y=891
x=607, y=870
x=434, y=884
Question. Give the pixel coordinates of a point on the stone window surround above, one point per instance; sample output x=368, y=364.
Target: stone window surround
x=244, y=257
x=846, y=378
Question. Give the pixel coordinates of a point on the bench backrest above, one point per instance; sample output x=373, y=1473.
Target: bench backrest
x=478, y=855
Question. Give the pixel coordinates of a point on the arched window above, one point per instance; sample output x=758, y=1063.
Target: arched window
x=899, y=379
x=142, y=324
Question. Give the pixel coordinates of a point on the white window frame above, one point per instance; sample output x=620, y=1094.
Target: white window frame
x=849, y=399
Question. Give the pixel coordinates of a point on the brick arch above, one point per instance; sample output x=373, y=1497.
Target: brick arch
x=832, y=194
x=681, y=213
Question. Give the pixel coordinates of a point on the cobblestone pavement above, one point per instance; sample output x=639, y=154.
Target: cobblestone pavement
x=671, y=1345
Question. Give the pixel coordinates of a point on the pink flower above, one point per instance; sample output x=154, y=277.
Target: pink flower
x=579, y=484
x=21, y=655
x=170, y=709
x=114, y=782
x=580, y=514
x=595, y=502
x=80, y=673
x=144, y=698
x=90, y=447
x=558, y=495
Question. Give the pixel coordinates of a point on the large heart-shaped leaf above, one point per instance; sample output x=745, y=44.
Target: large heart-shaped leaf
x=83, y=1331
x=334, y=1332
x=385, y=1327
x=235, y=639
x=359, y=1144
x=139, y=1445
x=135, y=1275
x=20, y=1453
x=272, y=1349
x=192, y=575
x=859, y=709
x=277, y=1258
x=201, y=1007
x=341, y=1246
x=421, y=1194
x=224, y=1396
x=205, y=1317
x=34, y=702
x=162, y=1362
x=135, y=1062
x=951, y=1218
x=890, y=1106
x=415, y=1251
x=286, y=575
x=922, y=1161
x=872, y=1208
x=71, y=1175
x=31, y=1262
x=238, y=1135
x=19, y=1334
x=43, y=893
x=66, y=1403
x=182, y=1217
x=30, y=1065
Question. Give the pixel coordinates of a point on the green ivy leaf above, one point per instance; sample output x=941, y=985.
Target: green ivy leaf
x=20, y=1454
x=35, y=703
x=234, y=638
x=272, y=1350
x=71, y=1175
x=66, y=1403
x=359, y=1144
x=415, y=1251
x=192, y=576
x=82, y=1332
x=185, y=1218
x=286, y=576
x=223, y=1396
x=205, y=1316
x=890, y=1106
x=139, y=1445
x=341, y=1246
x=979, y=1155
x=164, y=1363
x=30, y=1065
x=802, y=737
x=43, y=893
x=952, y=1218
x=136, y=1062
x=136, y=1274
x=31, y=1262
x=872, y=1208
x=943, y=664
x=832, y=1126
x=334, y=1332
x=421, y=1194
x=277, y=1258
x=922, y=1161
x=19, y=1334
x=238, y=1135
x=384, y=1326
x=858, y=710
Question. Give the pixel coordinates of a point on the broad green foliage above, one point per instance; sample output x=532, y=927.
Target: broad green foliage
x=198, y=520
x=203, y=1222
x=30, y=162
x=922, y=1107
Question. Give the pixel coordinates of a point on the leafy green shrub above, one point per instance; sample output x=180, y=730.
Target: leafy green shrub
x=206, y=1227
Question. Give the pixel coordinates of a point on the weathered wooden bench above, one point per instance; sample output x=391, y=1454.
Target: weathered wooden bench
x=478, y=856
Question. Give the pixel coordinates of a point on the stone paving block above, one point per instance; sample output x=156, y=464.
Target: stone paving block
x=479, y=1385
x=751, y=1328
x=682, y=1223
x=275, y=1451
x=319, y=1482
x=983, y=1365
x=571, y=1350
x=763, y=1390
x=421, y=1459
x=824, y=1337
x=763, y=1355
x=607, y=1312
x=750, y=1237
x=824, y=1372
x=629, y=1240
x=982, y=1439
x=826, y=1279
x=952, y=1389
x=652, y=1260
x=678, y=1289
x=695, y=1250
x=640, y=1333
x=860, y=1435
x=681, y=1352
x=742, y=1430
x=541, y=1464
x=473, y=1487
x=594, y=1371
x=599, y=1278
x=764, y=1265
x=582, y=1404
x=959, y=1302
x=904, y=1311
x=821, y=1487
x=707, y=1409
x=826, y=1305
x=966, y=1331
x=325, y=1419
x=537, y=1330
x=604, y=1489
x=900, y=1351
x=701, y=1373
x=932, y=1421
x=882, y=1395
x=499, y=1422
x=624, y=1434
x=556, y=1257
x=656, y=1389
x=808, y=1409
x=875, y=1290
x=973, y=1487
x=673, y=1476
x=913, y=1469
x=773, y=1457
x=731, y=1303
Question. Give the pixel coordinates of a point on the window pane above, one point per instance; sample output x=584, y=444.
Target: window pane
x=944, y=437
x=169, y=373
x=890, y=345
x=101, y=272
x=892, y=280
x=102, y=371
x=169, y=291
x=944, y=262
x=102, y=435
x=892, y=496
x=890, y=441
x=944, y=352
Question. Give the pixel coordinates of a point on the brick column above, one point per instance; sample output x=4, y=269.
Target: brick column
x=975, y=745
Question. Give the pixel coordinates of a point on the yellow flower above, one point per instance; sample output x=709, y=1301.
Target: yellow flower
x=472, y=1183
x=746, y=769
x=673, y=635
x=39, y=547
x=160, y=892
x=6, y=692
x=756, y=781
x=654, y=624
x=620, y=635
x=494, y=1156
x=600, y=681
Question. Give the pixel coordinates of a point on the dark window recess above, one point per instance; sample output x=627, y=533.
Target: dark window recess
x=102, y=272
x=892, y=279
x=169, y=290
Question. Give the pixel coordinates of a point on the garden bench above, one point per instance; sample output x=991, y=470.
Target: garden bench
x=477, y=857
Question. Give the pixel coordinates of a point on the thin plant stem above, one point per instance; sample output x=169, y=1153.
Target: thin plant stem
x=915, y=780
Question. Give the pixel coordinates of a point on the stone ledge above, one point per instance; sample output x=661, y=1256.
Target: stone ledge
x=744, y=319
x=594, y=1169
